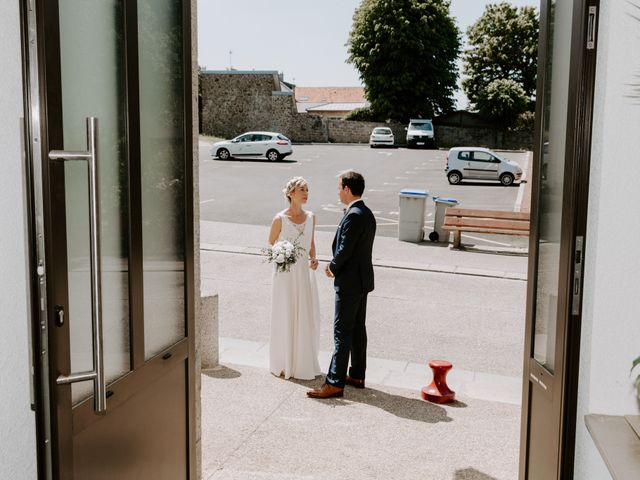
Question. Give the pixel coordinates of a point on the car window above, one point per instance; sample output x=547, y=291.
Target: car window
x=245, y=138
x=483, y=157
x=422, y=126
x=282, y=137
x=383, y=131
x=261, y=138
x=464, y=155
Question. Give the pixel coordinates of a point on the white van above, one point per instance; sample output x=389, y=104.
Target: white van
x=420, y=133
x=476, y=163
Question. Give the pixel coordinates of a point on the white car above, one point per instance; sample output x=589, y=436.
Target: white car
x=476, y=163
x=420, y=133
x=274, y=146
x=381, y=136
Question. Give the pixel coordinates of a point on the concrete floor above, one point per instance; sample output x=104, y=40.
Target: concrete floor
x=257, y=426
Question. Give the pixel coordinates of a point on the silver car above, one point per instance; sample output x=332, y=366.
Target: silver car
x=272, y=145
x=476, y=163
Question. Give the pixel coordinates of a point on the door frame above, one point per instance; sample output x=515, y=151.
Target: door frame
x=43, y=121
x=564, y=383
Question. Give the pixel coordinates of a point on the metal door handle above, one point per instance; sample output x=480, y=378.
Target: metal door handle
x=97, y=374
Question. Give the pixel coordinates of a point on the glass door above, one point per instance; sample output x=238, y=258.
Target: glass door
x=559, y=200
x=117, y=190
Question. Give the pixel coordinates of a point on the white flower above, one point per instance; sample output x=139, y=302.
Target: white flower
x=280, y=258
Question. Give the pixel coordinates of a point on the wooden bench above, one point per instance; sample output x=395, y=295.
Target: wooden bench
x=458, y=220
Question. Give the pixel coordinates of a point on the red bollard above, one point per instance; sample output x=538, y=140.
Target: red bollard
x=438, y=391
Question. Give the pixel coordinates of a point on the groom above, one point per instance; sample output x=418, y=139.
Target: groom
x=352, y=271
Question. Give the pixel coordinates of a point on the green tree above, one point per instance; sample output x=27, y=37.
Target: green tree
x=405, y=52
x=502, y=45
x=503, y=100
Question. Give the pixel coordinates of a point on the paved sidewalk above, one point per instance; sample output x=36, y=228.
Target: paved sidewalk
x=390, y=373
x=388, y=252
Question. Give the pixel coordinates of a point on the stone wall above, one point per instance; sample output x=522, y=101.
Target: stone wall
x=235, y=102
x=489, y=137
x=350, y=131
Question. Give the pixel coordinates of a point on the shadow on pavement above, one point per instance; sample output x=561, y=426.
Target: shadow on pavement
x=221, y=372
x=495, y=183
x=471, y=474
x=457, y=404
x=403, y=407
x=252, y=160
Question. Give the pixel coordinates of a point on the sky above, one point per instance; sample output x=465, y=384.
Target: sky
x=304, y=39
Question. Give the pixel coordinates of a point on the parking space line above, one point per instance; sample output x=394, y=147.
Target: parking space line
x=388, y=219
x=523, y=184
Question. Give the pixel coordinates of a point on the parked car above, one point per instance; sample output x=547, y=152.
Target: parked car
x=381, y=136
x=274, y=146
x=420, y=133
x=476, y=163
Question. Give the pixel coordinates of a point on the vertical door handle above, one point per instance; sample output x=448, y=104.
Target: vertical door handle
x=97, y=374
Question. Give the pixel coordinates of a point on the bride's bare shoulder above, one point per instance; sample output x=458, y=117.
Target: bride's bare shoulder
x=278, y=216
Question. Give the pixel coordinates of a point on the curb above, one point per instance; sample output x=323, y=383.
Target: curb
x=433, y=268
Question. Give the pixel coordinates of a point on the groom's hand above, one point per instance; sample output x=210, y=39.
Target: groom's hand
x=328, y=272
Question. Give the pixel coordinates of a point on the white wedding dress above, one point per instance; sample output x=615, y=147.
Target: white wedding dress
x=295, y=312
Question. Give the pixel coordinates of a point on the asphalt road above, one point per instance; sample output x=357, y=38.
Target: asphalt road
x=475, y=322
x=249, y=191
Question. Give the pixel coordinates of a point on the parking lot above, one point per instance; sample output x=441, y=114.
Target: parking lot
x=248, y=191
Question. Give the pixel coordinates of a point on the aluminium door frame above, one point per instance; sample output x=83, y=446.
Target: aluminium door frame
x=575, y=213
x=41, y=81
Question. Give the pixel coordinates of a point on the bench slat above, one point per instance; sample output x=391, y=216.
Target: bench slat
x=486, y=223
x=505, y=231
x=470, y=212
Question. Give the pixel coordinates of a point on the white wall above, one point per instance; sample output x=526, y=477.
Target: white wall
x=17, y=424
x=611, y=310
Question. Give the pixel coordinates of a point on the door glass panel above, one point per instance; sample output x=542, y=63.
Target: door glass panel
x=163, y=171
x=552, y=165
x=93, y=84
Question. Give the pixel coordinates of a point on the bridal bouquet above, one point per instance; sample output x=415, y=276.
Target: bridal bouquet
x=284, y=254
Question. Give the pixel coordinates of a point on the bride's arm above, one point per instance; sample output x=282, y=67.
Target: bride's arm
x=276, y=227
x=312, y=249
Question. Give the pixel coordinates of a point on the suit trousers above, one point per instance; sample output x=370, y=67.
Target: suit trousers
x=350, y=338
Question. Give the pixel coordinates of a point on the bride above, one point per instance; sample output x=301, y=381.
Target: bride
x=295, y=313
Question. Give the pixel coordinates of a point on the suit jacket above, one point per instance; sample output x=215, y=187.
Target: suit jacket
x=352, y=246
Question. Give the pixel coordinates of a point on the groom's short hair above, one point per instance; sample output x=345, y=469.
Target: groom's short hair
x=354, y=181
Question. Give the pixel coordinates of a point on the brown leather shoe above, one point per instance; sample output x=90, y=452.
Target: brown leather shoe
x=326, y=391
x=354, y=382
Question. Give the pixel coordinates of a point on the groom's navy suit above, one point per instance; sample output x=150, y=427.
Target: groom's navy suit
x=353, y=280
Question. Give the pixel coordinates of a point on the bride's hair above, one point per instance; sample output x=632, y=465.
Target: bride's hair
x=291, y=185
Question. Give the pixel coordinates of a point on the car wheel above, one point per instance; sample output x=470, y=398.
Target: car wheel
x=434, y=236
x=506, y=179
x=454, y=178
x=273, y=155
x=223, y=154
